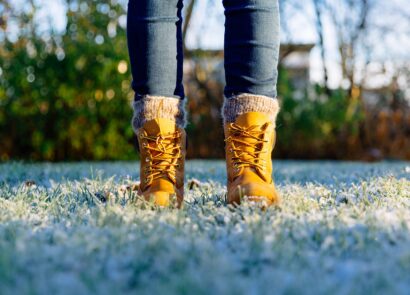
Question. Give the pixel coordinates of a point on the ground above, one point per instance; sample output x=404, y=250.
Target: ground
x=342, y=228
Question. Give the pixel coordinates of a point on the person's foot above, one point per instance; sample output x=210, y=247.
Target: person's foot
x=162, y=150
x=249, y=144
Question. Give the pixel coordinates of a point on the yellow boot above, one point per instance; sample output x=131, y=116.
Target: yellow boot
x=249, y=144
x=162, y=147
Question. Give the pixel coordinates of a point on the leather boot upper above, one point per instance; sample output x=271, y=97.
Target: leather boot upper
x=249, y=144
x=162, y=149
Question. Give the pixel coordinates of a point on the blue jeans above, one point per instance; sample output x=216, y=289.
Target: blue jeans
x=156, y=51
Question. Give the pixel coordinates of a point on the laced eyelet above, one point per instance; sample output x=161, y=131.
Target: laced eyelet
x=160, y=165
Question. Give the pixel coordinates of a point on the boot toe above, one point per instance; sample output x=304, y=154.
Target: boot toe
x=162, y=199
x=254, y=192
x=159, y=198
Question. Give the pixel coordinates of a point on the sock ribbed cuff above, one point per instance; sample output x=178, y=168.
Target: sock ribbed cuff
x=245, y=103
x=152, y=107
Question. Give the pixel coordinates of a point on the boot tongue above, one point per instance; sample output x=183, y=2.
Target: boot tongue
x=159, y=126
x=252, y=118
x=154, y=128
x=247, y=120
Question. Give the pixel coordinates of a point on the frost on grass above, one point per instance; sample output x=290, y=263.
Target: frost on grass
x=342, y=228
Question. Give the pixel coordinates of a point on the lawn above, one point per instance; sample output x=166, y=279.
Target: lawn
x=76, y=228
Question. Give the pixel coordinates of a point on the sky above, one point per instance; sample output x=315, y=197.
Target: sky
x=208, y=33
x=207, y=29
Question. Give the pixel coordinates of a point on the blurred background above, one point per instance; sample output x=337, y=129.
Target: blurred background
x=344, y=80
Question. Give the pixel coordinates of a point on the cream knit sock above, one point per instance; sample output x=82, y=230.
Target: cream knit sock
x=151, y=107
x=245, y=103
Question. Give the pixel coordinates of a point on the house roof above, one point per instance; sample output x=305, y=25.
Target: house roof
x=285, y=49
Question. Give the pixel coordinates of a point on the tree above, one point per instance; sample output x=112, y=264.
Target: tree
x=319, y=7
x=66, y=94
x=350, y=20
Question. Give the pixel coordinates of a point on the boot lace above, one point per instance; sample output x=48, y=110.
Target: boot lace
x=245, y=153
x=163, y=154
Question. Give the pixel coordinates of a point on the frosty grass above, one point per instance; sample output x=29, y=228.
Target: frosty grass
x=343, y=228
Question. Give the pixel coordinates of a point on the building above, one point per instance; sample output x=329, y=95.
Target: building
x=295, y=58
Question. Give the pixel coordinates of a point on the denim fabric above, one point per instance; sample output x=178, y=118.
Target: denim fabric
x=155, y=46
x=251, y=47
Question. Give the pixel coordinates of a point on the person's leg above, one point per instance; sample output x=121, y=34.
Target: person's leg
x=252, y=43
x=155, y=48
x=250, y=108
x=156, y=54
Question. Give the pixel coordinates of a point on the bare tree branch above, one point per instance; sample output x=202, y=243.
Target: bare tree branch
x=187, y=20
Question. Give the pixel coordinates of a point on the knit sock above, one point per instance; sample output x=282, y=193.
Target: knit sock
x=245, y=103
x=152, y=107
